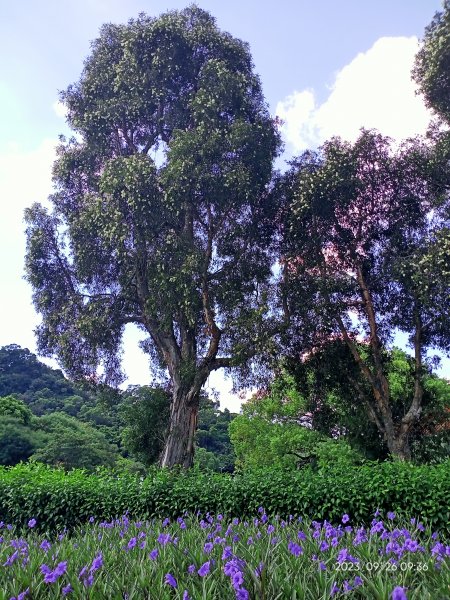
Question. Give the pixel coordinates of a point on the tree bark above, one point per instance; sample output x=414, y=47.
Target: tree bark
x=179, y=447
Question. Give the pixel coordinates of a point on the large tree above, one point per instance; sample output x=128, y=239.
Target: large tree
x=161, y=215
x=366, y=243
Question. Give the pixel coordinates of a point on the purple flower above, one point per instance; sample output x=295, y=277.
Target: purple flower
x=358, y=581
x=242, y=594
x=32, y=523
x=88, y=581
x=345, y=518
x=61, y=568
x=344, y=555
x=81, y=574
x=270, y=529
x=132, y=543
x=191, y=569
x=322, y=566
x=45, y=546
x=323, y=546
x=67, y=589
x=411, y=545
x=377, y=527
x=153, y=554
x=398, y=593
x=186, y=595
x=45, y=570
x=227, y=553
x=334, y=590
x=391, y=516
x=259, y=569
x=11, y=559
x=208, y=547
x=237, y=579
x=170, y=580
x=295, y=549
x=163, y=538
x=96, y=563
x=204, y=569
x=22, y=595
x=346, y=586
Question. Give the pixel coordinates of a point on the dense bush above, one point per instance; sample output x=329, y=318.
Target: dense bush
x=58, y=499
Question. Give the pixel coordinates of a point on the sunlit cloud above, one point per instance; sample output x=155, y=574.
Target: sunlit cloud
x=374, y=90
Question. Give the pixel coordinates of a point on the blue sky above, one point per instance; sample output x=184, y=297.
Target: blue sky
x=327, y=68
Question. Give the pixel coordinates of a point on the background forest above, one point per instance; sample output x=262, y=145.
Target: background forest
x=309, y=415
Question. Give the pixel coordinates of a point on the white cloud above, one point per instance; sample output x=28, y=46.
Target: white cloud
x=374, y=90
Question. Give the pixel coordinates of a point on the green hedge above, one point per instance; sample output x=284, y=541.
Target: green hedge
x=58, y=499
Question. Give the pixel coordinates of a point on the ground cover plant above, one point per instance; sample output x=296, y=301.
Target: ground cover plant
x=201, y=557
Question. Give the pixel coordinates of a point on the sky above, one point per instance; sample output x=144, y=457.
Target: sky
x=327, y=68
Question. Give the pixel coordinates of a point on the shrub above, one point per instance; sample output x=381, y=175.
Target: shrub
x=58, y=499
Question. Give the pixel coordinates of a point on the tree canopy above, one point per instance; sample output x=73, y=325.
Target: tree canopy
x=161, y=215
x=366, y=242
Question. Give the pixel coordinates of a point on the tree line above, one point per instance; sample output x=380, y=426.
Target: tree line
x=167, y=213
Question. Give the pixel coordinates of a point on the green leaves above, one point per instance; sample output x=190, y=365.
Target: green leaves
x=161, y=213
x=72, y=498
x=431, y=69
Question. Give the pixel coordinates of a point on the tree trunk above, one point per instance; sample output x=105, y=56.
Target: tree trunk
x=399, y=447
x=179, y=447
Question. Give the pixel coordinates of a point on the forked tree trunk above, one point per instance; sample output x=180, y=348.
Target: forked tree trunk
x=179, y=447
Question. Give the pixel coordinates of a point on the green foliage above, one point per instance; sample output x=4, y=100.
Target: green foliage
x=143, y=234
x=359, y=240
x=12, y=407
x=432, y=66
x=17, y=441
x=72, y=444
x=336, y=395
x=277, y=429
x=24, y=376
x=214, y=449
x=145, y=415
x=258, y=442
x=111, y=560
x=177, y=245
x=432, y=448
x=59, y=499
